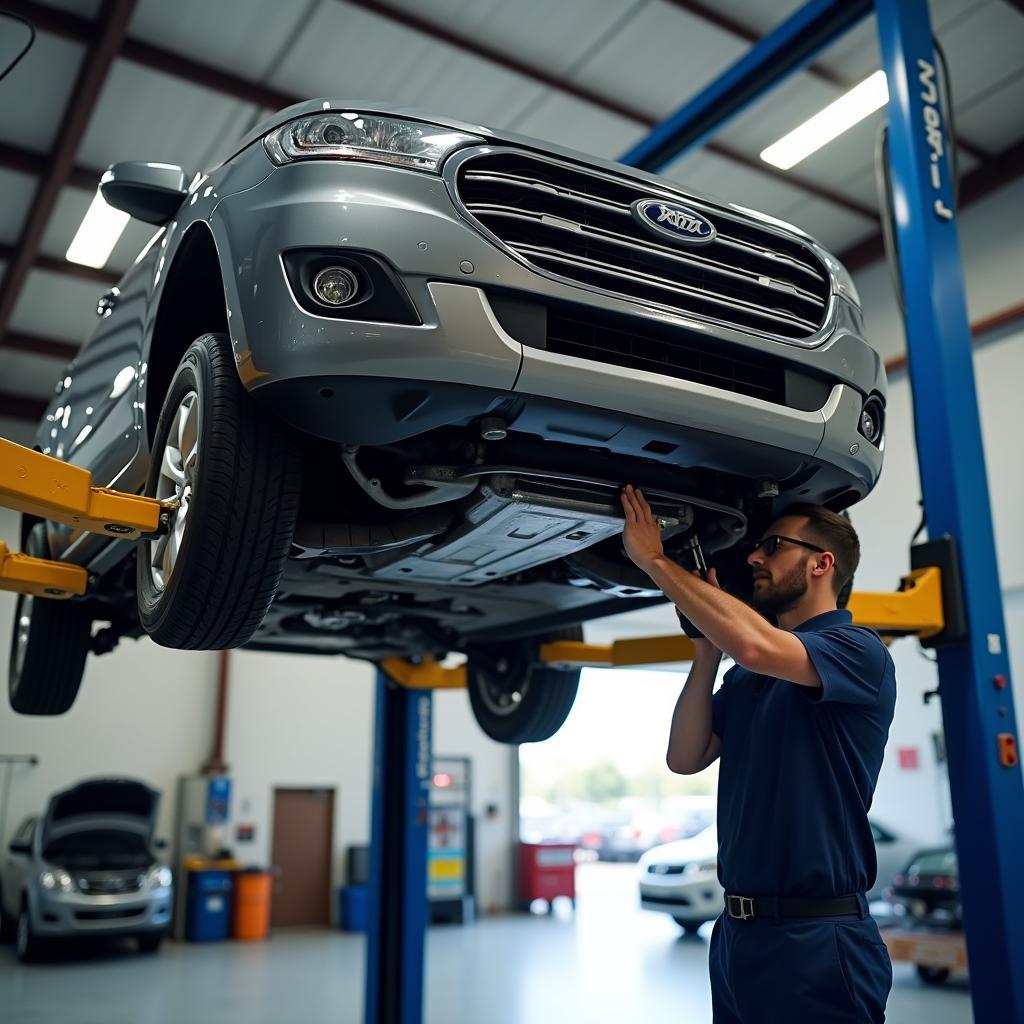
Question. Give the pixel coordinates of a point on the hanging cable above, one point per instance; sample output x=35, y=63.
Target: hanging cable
x=31, y=39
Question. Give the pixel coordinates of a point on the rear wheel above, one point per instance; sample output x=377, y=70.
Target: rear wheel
x=933, y=975
x=48, y=646
x=515, y=699
x=235, y=472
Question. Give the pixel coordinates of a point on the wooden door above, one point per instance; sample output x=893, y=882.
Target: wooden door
x=301, y=855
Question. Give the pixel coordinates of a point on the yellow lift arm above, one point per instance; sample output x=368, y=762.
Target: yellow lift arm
x=916, y=610
x=42, y=486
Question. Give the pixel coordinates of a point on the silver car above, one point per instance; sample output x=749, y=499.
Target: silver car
x=681, y=878
x=87, y=868
x=393, y=370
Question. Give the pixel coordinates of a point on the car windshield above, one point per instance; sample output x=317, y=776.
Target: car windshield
x=934, y=862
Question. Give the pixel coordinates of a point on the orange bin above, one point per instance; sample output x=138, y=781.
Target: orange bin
x=252, y=905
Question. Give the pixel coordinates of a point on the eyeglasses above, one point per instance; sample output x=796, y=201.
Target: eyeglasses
x=771, y=544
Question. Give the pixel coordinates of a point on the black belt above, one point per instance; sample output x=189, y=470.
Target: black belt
x=743, y=907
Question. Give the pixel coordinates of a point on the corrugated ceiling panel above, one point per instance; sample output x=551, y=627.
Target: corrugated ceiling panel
x=245, y=37
x=145, y=115
x=545, y=35
x=570, y=122
x=56, y=306
x=36, y=92
x=659, y=59
x=25, y=374
x=834, y=227
x=982, y=49
x=348, y=52
x=86, y=8
x=997, y=122
x=16, y=192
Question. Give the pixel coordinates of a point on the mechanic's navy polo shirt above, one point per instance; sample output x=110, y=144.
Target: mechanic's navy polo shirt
x=799, y=766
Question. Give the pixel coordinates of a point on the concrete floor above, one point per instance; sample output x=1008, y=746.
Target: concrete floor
x=608, y=963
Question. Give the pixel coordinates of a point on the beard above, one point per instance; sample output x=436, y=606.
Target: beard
x=775, y=598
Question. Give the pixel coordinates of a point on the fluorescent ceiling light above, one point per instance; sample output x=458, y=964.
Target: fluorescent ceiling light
x=829, y=123
x=97, y=234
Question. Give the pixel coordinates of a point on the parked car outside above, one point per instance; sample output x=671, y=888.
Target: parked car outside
x=391, y=370
x=926, y=891
x=87, y=867
x=681, y=878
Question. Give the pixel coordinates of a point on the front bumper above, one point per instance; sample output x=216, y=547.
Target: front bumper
x=68, y=915
x=696, y=899
x=299, y=362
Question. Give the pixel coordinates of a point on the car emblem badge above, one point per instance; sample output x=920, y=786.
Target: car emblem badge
x=676, y=221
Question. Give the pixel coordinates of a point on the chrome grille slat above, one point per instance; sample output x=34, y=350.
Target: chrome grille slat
x=622, y=210
x=537, y=252
x=663, y=252
x=576, y=224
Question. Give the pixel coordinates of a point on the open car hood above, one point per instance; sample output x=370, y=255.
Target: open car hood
x=117, y=804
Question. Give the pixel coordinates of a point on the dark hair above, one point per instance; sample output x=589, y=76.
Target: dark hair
x=833, y=532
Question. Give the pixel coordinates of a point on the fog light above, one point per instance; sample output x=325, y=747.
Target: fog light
x=867, y=424
x=335, y=286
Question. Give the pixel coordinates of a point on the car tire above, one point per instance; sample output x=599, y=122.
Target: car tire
x=933, y=975
x=515, y=700
x=236, y=471
x=49, y=644
x=149, y=942
x=691, y=927
x=26, y=945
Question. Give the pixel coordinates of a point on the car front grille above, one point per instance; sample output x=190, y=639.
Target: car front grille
x=108, y=885
x=666, y=869
x=109, y=915
x=576, y=223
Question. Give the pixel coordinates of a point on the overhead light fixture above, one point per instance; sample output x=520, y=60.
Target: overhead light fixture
x=827, y=124
x=97, y=234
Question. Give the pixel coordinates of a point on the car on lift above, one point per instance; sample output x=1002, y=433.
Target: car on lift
x=392, y=370
x=926, y=890
x=681, y=878
x=87, y=868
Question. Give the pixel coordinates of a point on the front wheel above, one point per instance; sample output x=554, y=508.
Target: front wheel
x=26, y=945
x=933, y=975
x=149, y=942
x=48, y=647
x=234, y=472
x=515, y=699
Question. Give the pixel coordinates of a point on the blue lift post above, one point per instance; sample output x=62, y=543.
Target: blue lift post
x=398, y=854
x=977, y=699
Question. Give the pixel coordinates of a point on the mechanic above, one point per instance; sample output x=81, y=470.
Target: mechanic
x=800, y=723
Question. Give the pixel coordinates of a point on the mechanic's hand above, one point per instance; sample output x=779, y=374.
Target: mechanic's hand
x=699, y=640
x=642, y=534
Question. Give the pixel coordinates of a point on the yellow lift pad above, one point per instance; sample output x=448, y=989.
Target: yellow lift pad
x=41, y=486
x=40, y=577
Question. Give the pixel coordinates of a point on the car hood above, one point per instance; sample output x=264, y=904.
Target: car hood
x=702, y=846
x=315, y=106
x=109, y=803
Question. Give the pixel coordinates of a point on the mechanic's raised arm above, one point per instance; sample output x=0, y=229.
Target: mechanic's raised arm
x=692, y=746
x=732, y=626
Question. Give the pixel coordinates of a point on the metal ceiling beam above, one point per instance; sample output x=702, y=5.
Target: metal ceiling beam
x=25, y=161
x=18, y=407
x=8, y=254
x=819, y=71
x=98, y=59
x=36, y=345
x=1000, y=170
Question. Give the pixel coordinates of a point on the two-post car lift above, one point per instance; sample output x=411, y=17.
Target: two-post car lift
x=978, y=713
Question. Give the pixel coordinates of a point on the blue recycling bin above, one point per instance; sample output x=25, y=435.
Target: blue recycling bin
x=208, y=917
x=354, y=908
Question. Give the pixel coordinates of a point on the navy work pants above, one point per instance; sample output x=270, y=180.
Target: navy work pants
x=820, y=970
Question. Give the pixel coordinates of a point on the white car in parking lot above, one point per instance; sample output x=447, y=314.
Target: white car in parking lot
x=681, y=878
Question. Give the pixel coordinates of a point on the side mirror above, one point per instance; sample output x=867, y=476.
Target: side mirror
x=20, y=846
x=146, y=191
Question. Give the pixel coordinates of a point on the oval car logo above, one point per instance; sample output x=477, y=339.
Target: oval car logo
x=674, y=220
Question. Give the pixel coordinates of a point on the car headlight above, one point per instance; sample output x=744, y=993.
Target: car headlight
x=56, y=880
x=702, y=869
x=352, y=136
x=159, y=877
